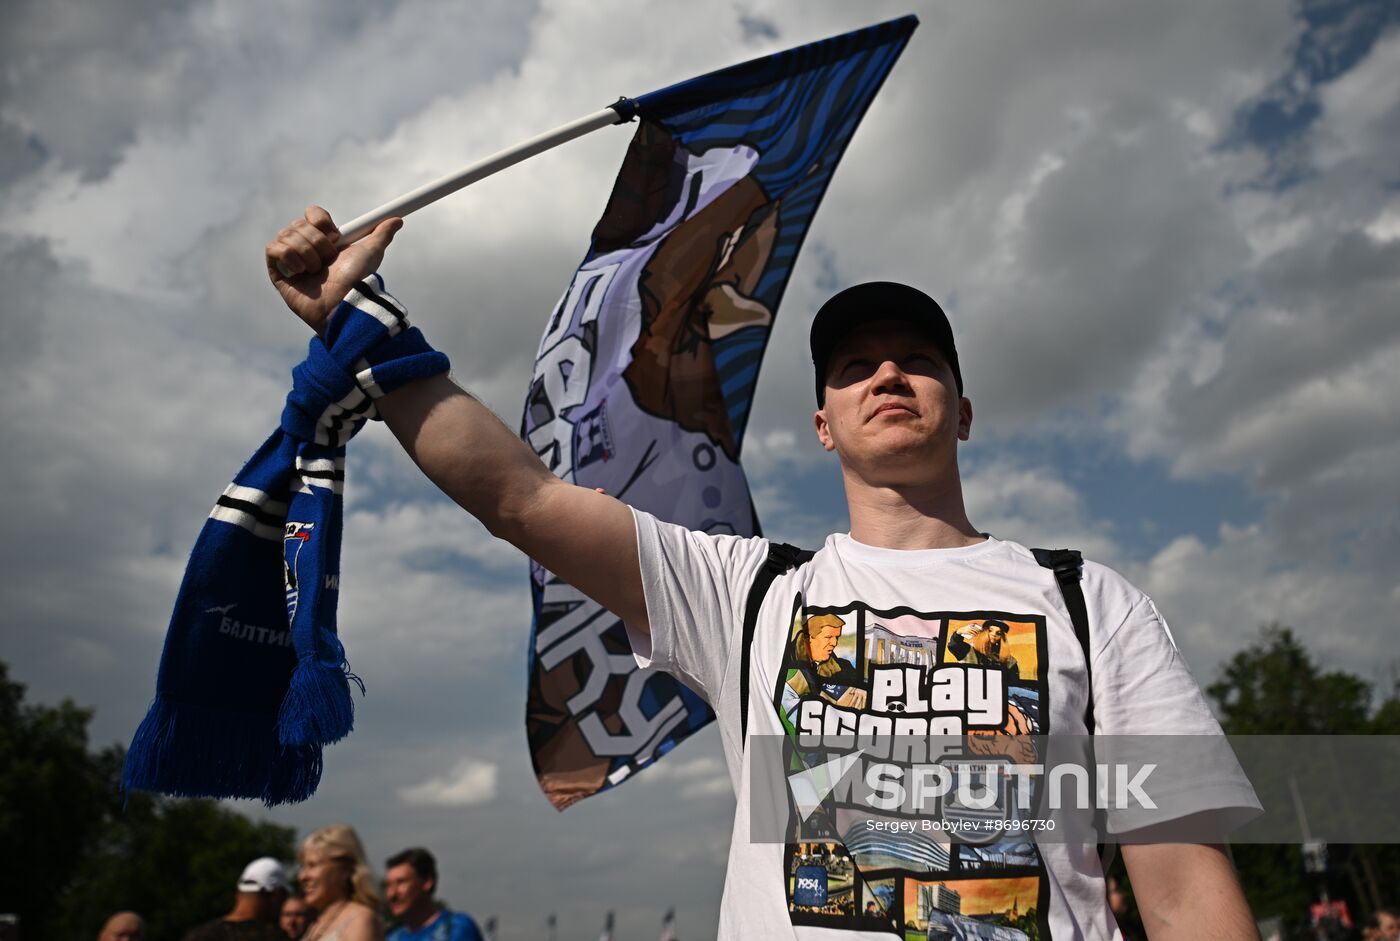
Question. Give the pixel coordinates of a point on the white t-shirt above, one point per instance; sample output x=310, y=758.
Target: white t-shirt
x=854, y=610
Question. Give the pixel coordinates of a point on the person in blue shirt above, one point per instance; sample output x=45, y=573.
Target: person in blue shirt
x=410, y=878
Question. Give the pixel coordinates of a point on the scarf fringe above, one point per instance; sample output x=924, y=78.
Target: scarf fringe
x=317, y=709
x=193, y=750
x=295, y=775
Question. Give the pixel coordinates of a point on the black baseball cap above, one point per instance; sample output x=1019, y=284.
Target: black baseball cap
x=872, y=301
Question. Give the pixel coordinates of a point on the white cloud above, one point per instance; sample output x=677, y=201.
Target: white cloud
x=699, y=777
x=1035, y=506
x=469, y=782
x=1362, y=107
x=766, y=451
x=1216, y=598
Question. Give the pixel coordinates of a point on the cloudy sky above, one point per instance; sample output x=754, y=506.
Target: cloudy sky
x=1168, y=236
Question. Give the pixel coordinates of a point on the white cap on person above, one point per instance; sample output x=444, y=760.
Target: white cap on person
x=264, y=874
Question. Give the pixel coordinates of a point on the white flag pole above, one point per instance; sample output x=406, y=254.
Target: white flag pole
x=361, y=226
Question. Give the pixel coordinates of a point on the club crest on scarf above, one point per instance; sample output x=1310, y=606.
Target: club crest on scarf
x=296, y=536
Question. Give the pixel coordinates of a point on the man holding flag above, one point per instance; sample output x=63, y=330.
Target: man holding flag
x=657, y=340
x=892, y=412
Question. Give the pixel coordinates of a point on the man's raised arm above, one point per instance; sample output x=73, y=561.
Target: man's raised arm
x=585, y=537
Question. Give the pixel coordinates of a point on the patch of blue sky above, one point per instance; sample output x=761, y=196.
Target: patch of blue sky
x=806, y=495
x=378, y=479
x=465, y=569
x=1337, y=34
x=1144, y=506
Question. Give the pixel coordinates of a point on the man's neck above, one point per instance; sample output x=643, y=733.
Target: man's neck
x=417, y=920
x=245, y=908
x=927, y=517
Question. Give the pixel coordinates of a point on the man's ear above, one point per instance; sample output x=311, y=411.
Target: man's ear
x=431, y=886
x=823, y=430
x=964, y=419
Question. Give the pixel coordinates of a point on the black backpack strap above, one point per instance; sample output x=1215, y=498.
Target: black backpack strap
x=781, y=558
x=1068, y=565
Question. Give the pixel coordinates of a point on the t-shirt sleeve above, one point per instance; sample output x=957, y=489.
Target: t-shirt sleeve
x=696, y=585
x=1143, y=689
x=1142, y=685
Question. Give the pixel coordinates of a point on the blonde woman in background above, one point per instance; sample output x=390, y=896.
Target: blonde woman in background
x=335, y=880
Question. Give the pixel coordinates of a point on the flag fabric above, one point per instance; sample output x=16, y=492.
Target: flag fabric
x=668, y=925
x=253, y=680
x=645, y=376
x=607, y=934
x=489, y=932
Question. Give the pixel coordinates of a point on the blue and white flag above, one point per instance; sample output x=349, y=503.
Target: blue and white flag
x=645, y=376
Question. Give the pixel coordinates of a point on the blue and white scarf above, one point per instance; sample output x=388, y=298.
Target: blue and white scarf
x=253, y=680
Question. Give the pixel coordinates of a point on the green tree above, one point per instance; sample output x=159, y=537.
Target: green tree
x=1275, y=687
x=174, y=861
x=52, y=800
x=77, y=849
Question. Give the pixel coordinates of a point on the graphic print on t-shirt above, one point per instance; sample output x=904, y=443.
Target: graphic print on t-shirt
x=899, y=676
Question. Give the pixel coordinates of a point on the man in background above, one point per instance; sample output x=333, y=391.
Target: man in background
x=296, y=917
x=410, y=879
x=1122, y=909
x=123, y=926
x=261, y=890
x=1388, y=924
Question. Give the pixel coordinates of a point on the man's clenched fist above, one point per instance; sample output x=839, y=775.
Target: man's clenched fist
x=310, y=270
